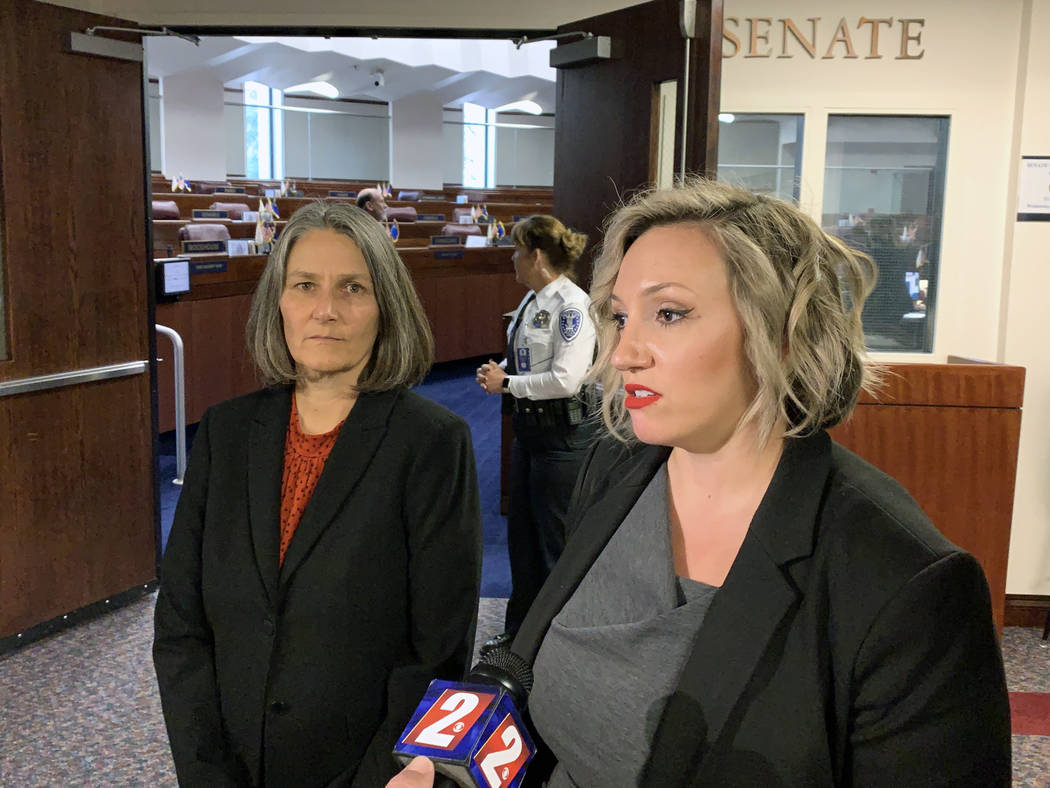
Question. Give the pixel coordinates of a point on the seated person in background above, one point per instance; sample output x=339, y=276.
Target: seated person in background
x=325, y=557
x=740, y=600
x=372, y=201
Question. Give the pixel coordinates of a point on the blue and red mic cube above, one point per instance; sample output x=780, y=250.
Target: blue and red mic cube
x=472, y=732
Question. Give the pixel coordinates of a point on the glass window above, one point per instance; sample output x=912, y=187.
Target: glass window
x=884, y=195
x=762, y=153
x=474, y=138
x=263, y=132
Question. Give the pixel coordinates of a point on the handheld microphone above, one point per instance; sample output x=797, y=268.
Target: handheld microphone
x=472, y=730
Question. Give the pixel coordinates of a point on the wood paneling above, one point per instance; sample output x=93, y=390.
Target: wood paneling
x=463, y=298
x=77, y=514
x=602, y=145
x=75, y=508
x=218, y=365
x=950, y=437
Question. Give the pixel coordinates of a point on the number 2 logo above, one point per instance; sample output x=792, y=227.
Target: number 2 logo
x=503, y=755
x=449, y=719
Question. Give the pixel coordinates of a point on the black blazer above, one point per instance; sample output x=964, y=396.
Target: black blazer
x=851, y=643
x=304, y=674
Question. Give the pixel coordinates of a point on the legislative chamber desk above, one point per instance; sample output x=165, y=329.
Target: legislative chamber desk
x=949, y=433
x=463, y=298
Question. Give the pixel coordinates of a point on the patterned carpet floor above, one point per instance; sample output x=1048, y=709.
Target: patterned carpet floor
x=81, y=708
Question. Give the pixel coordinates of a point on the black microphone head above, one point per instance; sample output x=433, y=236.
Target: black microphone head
x=503, y=667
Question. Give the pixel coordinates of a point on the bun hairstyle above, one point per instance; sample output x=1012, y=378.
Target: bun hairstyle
x=798, y=292
x=561, y=245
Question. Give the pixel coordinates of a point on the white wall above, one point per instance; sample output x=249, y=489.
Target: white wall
x=1024, y=312
x=525, y=157
x=416, y=141
x=993, y=277
x=344, y=140
x=193, y=122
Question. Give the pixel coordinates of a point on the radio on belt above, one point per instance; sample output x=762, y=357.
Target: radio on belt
x=472, y=732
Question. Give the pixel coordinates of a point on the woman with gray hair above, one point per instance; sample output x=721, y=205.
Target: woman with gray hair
x=324, y=561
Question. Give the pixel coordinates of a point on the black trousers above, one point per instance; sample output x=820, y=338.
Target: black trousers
x=543, y=471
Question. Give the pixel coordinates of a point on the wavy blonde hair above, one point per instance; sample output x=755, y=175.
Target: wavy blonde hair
x=797, y=291
x=404, y=346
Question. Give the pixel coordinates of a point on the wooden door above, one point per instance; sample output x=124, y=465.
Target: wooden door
x=603, y=137
x=77, y=507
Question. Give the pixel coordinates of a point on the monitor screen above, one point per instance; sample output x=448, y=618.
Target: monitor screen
x=173, y=276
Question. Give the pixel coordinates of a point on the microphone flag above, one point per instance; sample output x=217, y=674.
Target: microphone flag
x=472, y=732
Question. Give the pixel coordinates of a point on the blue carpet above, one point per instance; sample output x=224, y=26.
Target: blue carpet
x=452, y=385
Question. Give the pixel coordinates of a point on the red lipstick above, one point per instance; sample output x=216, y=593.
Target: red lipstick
x=639, y=396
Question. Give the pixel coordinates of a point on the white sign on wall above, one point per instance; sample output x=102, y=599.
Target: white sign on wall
x=1033, y=202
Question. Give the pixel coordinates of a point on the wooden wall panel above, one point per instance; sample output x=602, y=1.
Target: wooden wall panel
x=218, y=365
x=951, y=438
x=74, y=531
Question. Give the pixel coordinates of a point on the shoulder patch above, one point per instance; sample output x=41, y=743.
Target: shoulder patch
x=570, y=321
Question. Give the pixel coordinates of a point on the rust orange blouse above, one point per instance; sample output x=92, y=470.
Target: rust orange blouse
x=304, y=459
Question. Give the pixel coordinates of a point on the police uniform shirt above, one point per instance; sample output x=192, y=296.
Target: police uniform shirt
x=554, y=345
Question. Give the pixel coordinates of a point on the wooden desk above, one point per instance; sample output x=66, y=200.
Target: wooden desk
x=462, y=298
x=949, y=433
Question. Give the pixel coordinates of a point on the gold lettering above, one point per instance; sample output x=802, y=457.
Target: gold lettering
x=907, y=37
x=874, y=53
x=809, y=46
x=757, y=36
x=841, y=37
x=732, y=39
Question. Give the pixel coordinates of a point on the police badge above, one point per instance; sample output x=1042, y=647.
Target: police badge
x=542, y=319
x=570, y=321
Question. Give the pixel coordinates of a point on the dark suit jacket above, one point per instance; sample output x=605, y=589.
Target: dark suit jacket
x=851, y=643
x=304, y=674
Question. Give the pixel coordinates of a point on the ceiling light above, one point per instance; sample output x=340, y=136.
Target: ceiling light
x=326, y=89
x=530, y=107
x=726, y=117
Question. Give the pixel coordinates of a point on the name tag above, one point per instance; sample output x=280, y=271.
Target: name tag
x=337, y=193
x=229, y=190
x=430, y=217
x=216, y=267
x=448, y=254
x=524, y=359
x=204, y=213
x=446, y=240
x=208, y=247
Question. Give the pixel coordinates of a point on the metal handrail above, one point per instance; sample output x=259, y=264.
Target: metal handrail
x=180, y=402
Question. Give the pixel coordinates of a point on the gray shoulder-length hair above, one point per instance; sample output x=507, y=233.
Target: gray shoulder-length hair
x=797, y=291
x=404, y=346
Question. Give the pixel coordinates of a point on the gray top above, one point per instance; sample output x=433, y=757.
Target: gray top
x=612, y=655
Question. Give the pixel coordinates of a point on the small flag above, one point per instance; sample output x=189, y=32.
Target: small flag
x=272, y=208
x=490, y=233
x=179, y=184
x=260, y=229
x=394, y=230
x=501, y=231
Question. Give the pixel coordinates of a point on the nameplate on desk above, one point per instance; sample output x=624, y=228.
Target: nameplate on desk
x=506, y=240
x=338, y=193
x=204, y=247
x=205, y=213
x=430, y=217
x=448, y=254
x=229, y=190
x=210, y=267
x=446, y=240
x=239, y=247
x=518, y=218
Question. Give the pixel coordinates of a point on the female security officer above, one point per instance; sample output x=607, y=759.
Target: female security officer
x=550, y=345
